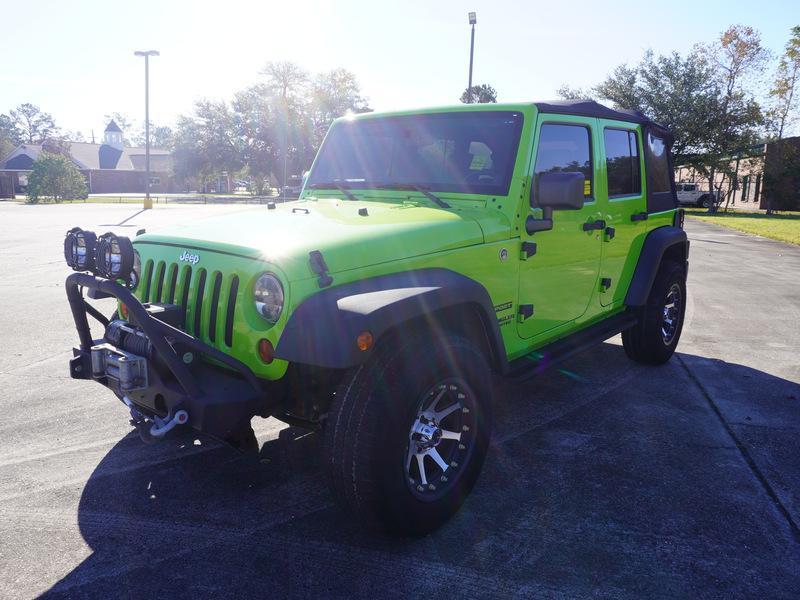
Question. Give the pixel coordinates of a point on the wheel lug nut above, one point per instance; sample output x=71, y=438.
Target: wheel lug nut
x=461, y=396
x=454, y=464
x=444, y=479
x=420, y=488
x=432, y=487
x=465, y=428
x=465, y=410
x=462, y=447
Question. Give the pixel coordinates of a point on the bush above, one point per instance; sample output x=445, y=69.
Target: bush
x=55, y=176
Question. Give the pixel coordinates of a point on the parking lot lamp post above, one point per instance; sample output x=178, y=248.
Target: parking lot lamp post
x=472, y=20
x=148, y=202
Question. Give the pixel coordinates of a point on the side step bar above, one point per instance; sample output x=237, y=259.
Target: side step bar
x=537, y=361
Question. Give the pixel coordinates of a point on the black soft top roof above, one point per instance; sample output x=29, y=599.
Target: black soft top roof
x=590, y=108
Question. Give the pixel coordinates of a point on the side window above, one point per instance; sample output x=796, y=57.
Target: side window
x=565, y=149
x=658, y=164
x=622, y=163
x=689, y=187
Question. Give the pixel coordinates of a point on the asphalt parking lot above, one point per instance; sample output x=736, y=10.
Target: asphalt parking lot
x=605, y=478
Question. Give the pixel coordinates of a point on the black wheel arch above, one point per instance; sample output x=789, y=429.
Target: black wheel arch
x=322, y=330
x=664, y=243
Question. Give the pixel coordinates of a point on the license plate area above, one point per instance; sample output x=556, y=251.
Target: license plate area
x=127, y=370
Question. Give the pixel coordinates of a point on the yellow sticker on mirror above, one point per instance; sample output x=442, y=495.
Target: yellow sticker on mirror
x=587, y=187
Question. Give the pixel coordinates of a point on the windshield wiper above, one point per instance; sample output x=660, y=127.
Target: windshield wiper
x=327, y=185
x=417, y=188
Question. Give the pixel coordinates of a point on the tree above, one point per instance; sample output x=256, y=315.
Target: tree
x=55, y=176
x=782, y=115
x=333, y=94
x=31, y=125
x=207, y=143
x=676, y=91
x=704, y=98
x=482, y=94
x=565, y=92
x=7, y=136
x=736, y=116
x=161, y=136
x=289, y=83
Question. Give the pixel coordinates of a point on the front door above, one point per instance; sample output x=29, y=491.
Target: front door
x=558, y=281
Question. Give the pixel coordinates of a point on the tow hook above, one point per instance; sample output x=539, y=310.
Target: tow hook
x=154, y=427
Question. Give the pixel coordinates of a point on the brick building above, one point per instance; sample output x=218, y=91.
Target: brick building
x=750, y=186
x=109, y=168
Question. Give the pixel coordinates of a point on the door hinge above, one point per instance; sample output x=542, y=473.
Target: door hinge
x=528, y=250
x=524, y=312
x=610, y=233
x=605, y=283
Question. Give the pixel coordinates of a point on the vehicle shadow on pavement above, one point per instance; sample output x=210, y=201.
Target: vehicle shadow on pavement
x=603, y=477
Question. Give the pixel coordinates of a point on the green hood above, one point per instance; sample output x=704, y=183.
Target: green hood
x=285, y=235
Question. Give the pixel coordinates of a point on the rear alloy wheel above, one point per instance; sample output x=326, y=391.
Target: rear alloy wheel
x=408, y=431
x=654, y=338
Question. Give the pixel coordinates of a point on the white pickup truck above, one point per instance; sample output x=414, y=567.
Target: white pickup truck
x=693, y=195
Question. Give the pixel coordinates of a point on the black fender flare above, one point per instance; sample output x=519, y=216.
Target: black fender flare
x=657, y=243
x=322, y=330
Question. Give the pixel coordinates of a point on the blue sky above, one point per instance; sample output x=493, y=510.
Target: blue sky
x=75, y=59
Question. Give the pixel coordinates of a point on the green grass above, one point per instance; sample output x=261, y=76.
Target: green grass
x=784, y=227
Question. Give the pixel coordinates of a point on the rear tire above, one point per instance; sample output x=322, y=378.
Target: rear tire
x=653, y=339
x=705, y=202
x=408, y=432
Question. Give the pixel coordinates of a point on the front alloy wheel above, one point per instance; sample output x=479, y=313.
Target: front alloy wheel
x=408, y=431
x=441, y=439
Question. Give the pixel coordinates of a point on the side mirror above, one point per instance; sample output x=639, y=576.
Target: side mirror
x=554, y=191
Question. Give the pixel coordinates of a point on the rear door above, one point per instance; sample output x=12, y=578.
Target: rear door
x=622, y=202
x=557, y=282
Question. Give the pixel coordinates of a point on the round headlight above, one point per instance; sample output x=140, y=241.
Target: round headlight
x=79, y=249
x=114, y=257
x=136, y=274
x=268, y=296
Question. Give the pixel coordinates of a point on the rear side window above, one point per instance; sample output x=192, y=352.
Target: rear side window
x=565, y=149
x=658, y=165
x=622, y=163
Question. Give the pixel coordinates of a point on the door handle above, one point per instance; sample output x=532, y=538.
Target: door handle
x=642, y=216
x=593, y=225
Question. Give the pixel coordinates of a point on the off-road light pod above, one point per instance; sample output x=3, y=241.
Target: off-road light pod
x=114, y=257
x=79, y=249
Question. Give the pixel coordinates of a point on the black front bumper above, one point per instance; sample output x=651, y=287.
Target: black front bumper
x=218, y=399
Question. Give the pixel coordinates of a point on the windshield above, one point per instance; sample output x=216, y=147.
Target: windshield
x=471, y=152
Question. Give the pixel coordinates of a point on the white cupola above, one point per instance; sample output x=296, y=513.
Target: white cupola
x=113, y=136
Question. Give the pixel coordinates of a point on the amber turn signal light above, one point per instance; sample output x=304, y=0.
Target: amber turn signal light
x=364, y=341
x=123, y=311
x=265, y=351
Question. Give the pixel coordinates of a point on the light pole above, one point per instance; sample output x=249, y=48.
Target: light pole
x=472, y=20
x=148, y=203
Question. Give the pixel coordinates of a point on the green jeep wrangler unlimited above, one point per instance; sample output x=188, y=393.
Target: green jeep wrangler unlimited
x=428, y=251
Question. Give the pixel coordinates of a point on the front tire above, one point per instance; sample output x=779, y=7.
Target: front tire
x=408, y=432
x=653, y=339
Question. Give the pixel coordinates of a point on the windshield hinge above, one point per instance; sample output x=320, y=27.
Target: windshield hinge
x=528, y=250
x=319, y=267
